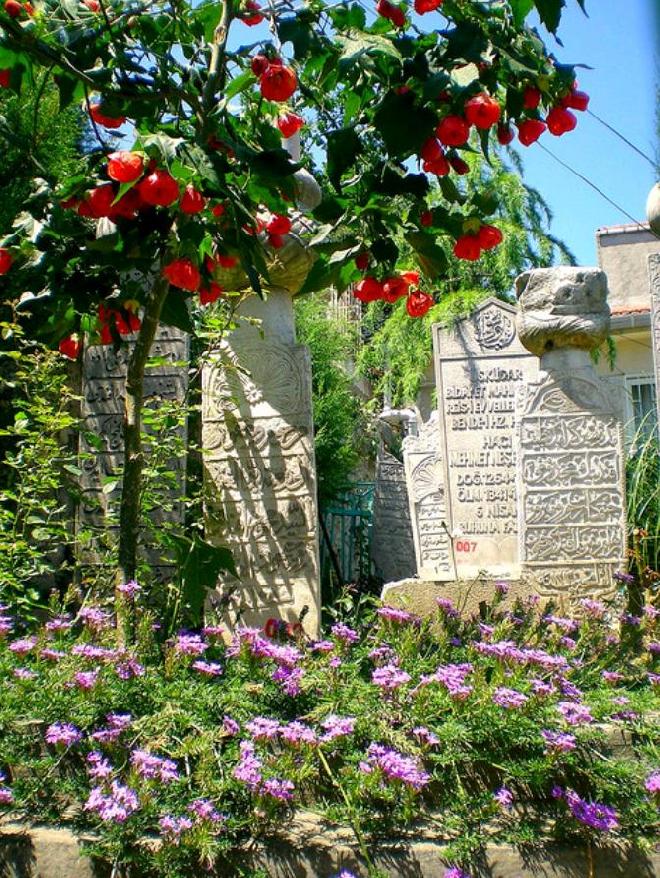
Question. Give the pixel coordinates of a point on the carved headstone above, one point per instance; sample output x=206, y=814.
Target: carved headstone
x=480, y=364
x=428, y=510
x=392, y=547
x=103, y=394
x=654, y=276
x=257, y=435
x=571, y=460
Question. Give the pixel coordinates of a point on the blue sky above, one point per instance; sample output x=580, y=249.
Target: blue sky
x=620, y=41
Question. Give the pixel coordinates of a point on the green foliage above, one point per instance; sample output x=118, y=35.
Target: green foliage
x=643, y=512
x=426, y=701
x=40, y=474
x=340, y=425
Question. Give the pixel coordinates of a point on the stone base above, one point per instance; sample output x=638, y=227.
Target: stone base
x=310, y=848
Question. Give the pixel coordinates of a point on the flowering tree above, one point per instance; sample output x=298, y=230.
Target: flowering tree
x=198, y=187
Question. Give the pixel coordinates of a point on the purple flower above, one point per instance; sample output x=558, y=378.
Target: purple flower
x=567, y=625
x=504, y=798
x=447, y=607
x=207, y=669
x=95, y=618
x=383, y=654
x=652, y=782
x=593, y=609
x=452, y=677
x=150, y=767
x=58, y=623
x=389, y=677
x=289, y=679
x=171, y=828
x=248, y=769
x=64, y=734
x=6, y=796
x=263, y=728
x=277, y=788
x=86, y=679
x=322, y=646
x=117, y=723
x=511, y=699
x=129, y=589
x=501, y=587
x=6, y=625
x=623, y=577
x=23, y=646
x=230, y=726
x=24, y=674
x=335, y=662
x=592, y=814
x=213, y=631
x=189, y=644
x=425, y=736
x=337, y=727
x=114, y=806
x=204, y=809
x=541, y=687
x=455, y=872
x=395, y=766
x=399, y=617
x=51, y=655
x=91, y=651
x=654, y=647
x=129, y=667
x=298, y=733
x=344, y=874
x=574, y=714
x=612, y=677
x=344, y=633
x=558, y=742
x=508, y=651
x=629, y=619
x=651, y=613
x=98, y=767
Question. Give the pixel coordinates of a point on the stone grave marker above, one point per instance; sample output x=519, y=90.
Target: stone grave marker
x=654, y=277
x=103, y=383
x=392, y=547
x=428, y=509
x=480, y=365
x=571, y=484
x=260, y=494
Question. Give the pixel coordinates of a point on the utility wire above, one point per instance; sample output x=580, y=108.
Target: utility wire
x=599, y=191
x=621, y=137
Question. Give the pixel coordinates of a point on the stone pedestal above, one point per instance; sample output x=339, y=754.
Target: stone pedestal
x=260, y=478
x=571, y=476
x=654, y=278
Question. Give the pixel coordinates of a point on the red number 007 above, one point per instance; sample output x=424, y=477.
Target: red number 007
x=465, y=545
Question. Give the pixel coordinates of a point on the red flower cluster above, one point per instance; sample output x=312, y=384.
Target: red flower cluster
x=289, y=124
x=16, y=9
x=183, y=273
x=276, y=81
x=70, y=347
x=470, y=246
x=254, y=14
x=124, y=320
x=391, y=12
x=6, y=260
x=394, y=288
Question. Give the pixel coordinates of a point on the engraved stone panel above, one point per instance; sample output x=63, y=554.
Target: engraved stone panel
x=426, y=492
x=654, y=276
x=392, y=547
x=480, y=364
x=260, y=479
x=103, y=393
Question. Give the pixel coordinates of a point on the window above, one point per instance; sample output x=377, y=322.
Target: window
x=642, y=407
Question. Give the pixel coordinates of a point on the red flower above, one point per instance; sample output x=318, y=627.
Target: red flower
x=504, y=134
x=468, y=247
x=98, y=116
x=439, y=167
x=368, y=290
x=530, y=130
x=426, y=218
x=453, y=131
x=210, y=294
x=5, y=77
x=423, y=6
x=410, y=277
x=256, y=17
x=13, y=8
x=99, y=202
x=183, y=273
x=278, y=82
x=279, y=225
x=489, y=237
x=226, y=261
x=391, y=12
x=159, y=189
x=259, y=64
x=127, y=206
x=192, y=201
x=394, y=288
x=576, y=100
x=431, y=150
x=560, y=121
x=483, y=111
x=126, y=325
x=70, y=347
x=124, y=166
x=531, y=97
x=6, y=260
x=418, y=303
x=459, y=165
x=362, y=260
x=92, y=5
x=289, y=124
x=276, y=241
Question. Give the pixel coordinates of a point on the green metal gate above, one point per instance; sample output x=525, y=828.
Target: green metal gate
x=346, y=537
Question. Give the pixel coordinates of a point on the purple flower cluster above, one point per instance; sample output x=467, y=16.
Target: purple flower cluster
x=398, y=616
x=337, y=727
x=63, y=734
x=130, y=589
x=504, y=798
x=344, y=633
x=652, y=782
x=95, y=619
x=452, y=677
x=249, y=771
x=172, y=828
x=508, y=651
x=58, y=624
x=113, y=805
x=558, y=742
x=86, y=679
x=117, y=723
x=204, y=810
x=389, y=677
x=575, y=714
x=189, y=644
x=455, y=872
x=510, y=699
x=23, y=646
x=98, y=767
x=426, y=736
x=592, y=814
x=207, y=669
x=150, y=767
x=394, y=766
x=6, y=795
x=447, y=608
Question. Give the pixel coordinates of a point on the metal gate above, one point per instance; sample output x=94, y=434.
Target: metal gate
x=346, y=537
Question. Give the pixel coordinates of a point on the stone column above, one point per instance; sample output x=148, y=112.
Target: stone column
x=571, y=478
x=654, y=278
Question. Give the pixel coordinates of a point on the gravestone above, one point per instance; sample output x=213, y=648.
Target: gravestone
x=571, y=487
x=654, y=277
x=480, y=365
x=102, y=406
x=260, y=476
x=392, y=547
x=428, y=509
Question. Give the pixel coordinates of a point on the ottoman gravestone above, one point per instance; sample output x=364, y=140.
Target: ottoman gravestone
x=392, y=547
x=480, y=366
x=571, y=477
x=654, y=277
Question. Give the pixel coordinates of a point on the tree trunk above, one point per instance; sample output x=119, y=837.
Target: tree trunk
x=129, y=509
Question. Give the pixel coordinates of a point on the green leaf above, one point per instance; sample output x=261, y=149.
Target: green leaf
x=209, y=15
x=344, y=146
x=273, y=163
x=175, y=312
x=200, y=564
x=160, y=146
x=431, y=257
x=403, y=126
x=521, y=9
x=70, y=88
x=239, y=83
x=354, y=46
x=550, y=13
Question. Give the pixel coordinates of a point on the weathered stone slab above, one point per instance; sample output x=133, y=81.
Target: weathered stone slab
x=428, y=509
x=571, y=486
x=392, y=546
x=654, y=277
x=480, y=364
x=260, y=479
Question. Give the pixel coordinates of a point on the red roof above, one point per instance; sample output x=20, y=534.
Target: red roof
x=643, y=310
